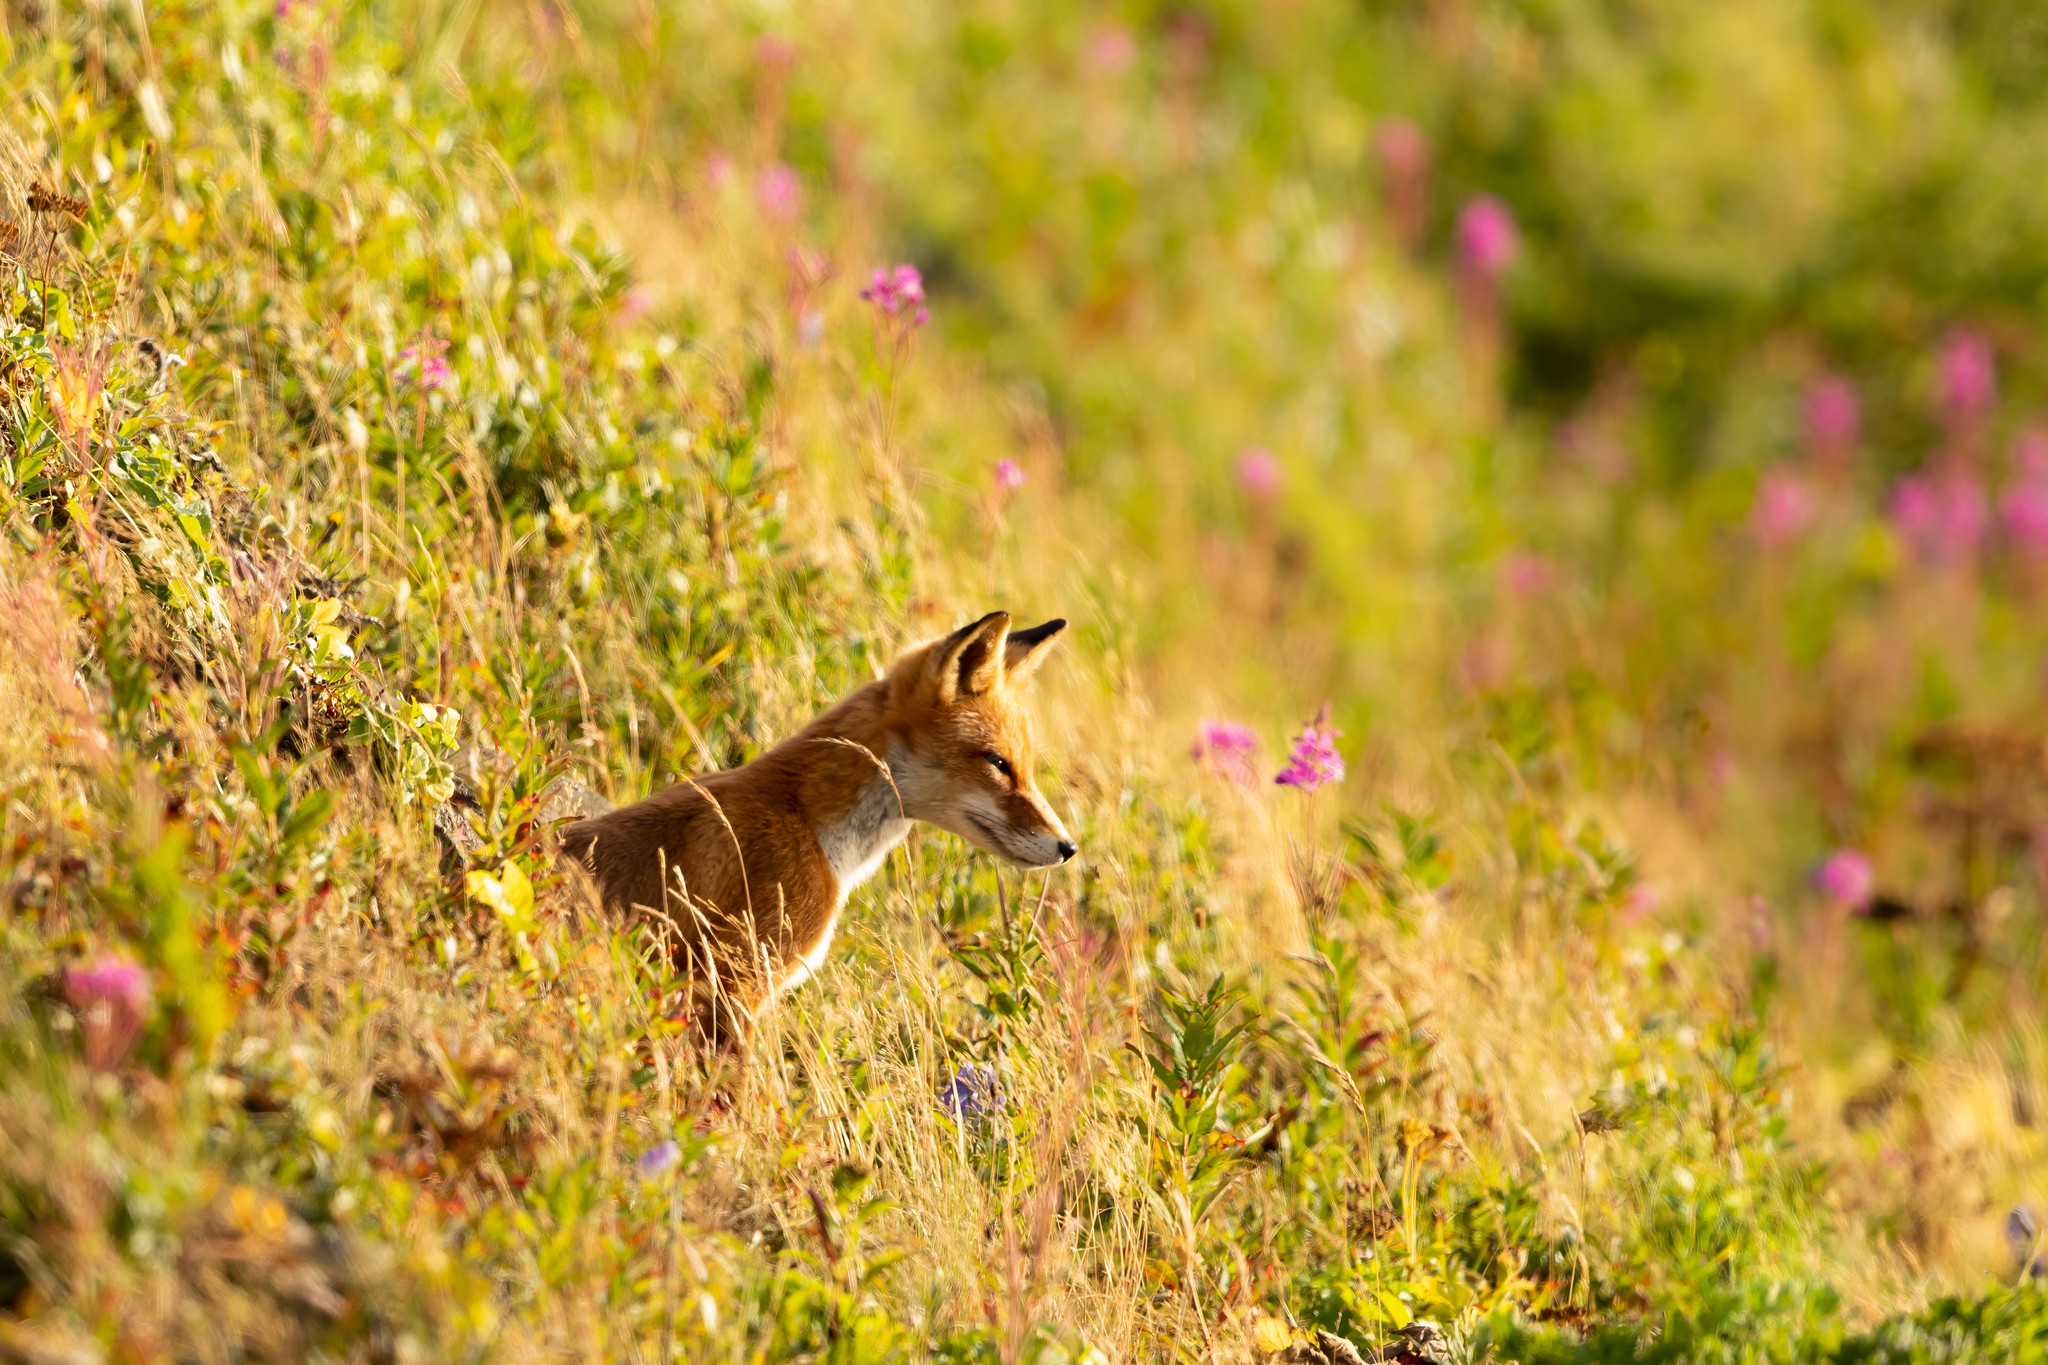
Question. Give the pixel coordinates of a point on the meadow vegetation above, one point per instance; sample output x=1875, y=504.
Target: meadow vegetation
x=1596, y=452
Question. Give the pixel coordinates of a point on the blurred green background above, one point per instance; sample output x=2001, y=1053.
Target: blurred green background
x=1627, y=415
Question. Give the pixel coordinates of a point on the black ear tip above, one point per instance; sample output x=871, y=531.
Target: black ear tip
x=1039, y=632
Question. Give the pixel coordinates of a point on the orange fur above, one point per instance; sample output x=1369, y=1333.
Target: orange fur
x=749, y=867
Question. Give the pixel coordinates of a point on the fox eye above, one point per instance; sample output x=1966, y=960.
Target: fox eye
x=999, y=763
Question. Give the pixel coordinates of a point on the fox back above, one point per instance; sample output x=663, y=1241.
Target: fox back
x=746, y=870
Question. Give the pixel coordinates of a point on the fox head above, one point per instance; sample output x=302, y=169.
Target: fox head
x=962, y=751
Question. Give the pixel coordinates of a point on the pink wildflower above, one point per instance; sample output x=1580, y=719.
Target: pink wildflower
x=1488, y=240
x=1641, y=902
x=422, y=362
x=1942, y=517
x=1969, y=376
x=1784, y=509
x=1111, y=50
x=775, y=53
x=2024, y=508
x=1834, y=420
x=718, y=170
x=1527, y=575
x=1403, y=150
x=635, y=304
x=1009, y=475
x=897, y=292
x=1314, y=760
x=111, y=999
x=779, y=192
x=1228, y=749
x=1846, y=879
x=1259, y=472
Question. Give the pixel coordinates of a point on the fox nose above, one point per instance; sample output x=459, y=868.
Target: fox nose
x=1067, y=849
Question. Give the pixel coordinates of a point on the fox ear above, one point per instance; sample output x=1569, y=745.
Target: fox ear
x=969, y=661
x=1027, y=649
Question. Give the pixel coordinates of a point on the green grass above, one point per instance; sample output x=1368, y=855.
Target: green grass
x=1533, y=1028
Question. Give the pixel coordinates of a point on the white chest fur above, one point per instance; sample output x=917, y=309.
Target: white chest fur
x=855, y=843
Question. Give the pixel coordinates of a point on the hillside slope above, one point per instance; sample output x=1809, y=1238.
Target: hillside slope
x=386, y=381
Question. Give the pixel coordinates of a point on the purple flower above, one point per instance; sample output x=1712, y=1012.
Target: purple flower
x=1943, y=518
x=111, y=1000
x=1314, y=759
x=1845, y=878
x=1784, y=509
x=1969, y=376
x=2024, y=508
x=973, y=1094
x=899, y=292
x=779, y=192
x=1488, y=240
x=1227, y=749
x=2023, y=1235
x=1009, y=475
x=1834, y=419
x=1258, y=471
x=658, y=1159
x=423, y=363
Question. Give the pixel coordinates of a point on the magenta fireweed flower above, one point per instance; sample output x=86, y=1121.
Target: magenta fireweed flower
x=1834, y=420
x=779, y=192
x=422, y=363
x=1314, y=760
x=1258, y=471
x=1488, y=240
x=897, y=293
x=1846, y=879
x=1784, y=509
x=2023, y=511
x=1942, y=517
x=1969, y=376
x=1009, y=475
x=1227, y=749
x=111, y=1000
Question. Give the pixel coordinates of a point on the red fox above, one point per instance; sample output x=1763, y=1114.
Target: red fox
x=749, y=868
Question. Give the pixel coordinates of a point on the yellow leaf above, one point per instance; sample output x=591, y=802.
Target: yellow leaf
x=1270, y=1335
